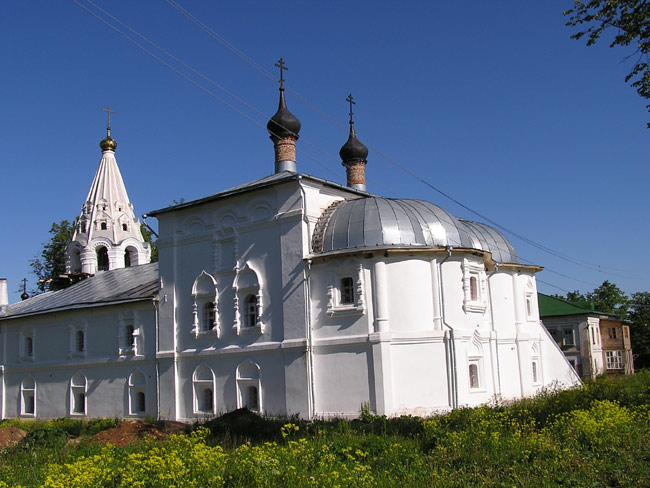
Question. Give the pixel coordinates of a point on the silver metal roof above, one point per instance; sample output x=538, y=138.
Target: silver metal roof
x=115, y=286
x=372, y=222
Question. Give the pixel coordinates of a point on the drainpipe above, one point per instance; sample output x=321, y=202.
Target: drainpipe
x=449, y=334
x=156, y=302
x=496, y=348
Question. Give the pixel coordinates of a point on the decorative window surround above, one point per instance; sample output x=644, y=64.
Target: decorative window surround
x=474, y=287
x=337, y=302
x=247, y=284
x=248, y=386
x=76, y=334
x=614, y=359
x=475, y=371
x=137, y=393
x=128, y=337
x=205, y=311
x=78, y=387
x=27, y=346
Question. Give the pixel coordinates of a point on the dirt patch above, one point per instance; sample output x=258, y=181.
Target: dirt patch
x=129, y=432
x=10, y=436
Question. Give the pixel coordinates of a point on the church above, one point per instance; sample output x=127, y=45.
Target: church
x=288, y=295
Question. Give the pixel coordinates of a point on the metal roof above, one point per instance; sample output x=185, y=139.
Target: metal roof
x=368, y=223
x=106, y=287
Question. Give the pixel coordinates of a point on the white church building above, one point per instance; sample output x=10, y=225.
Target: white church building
x=288, y=295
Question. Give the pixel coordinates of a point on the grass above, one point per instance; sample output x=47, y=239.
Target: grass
x=594, y=436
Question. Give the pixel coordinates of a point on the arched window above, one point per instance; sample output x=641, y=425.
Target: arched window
x=251, y=316
x=78, y=394
x=28, y=397
x=80, y=341
x=137, y=396
x=102, y=259
x=248, y=386
x=347, y=290
x=203, y=380
x=75, y=260
x=127, y=259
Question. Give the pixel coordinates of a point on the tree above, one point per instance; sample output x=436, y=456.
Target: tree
x=639, y=317
x=610, y=299
x=148, y=235
x=52, y=260
x=630, y=21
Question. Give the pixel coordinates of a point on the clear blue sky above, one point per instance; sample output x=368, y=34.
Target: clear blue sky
x=491, y=102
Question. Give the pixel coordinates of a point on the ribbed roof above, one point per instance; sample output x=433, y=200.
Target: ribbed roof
x=369, y=223
x=553, y=306
x=119, y=285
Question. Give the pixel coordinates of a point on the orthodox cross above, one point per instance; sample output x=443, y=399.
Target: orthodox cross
x=24, y=285
x=280, y=64
x=108, y=109
x=352, y=102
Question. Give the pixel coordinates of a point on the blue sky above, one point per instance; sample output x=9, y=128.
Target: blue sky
x=490, y=102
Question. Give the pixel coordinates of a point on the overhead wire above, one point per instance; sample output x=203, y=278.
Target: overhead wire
x=266, y=73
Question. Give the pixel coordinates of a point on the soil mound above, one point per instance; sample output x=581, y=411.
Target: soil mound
x=10, y=436
x=132, y=431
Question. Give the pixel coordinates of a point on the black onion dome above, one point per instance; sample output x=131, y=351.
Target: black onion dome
x=353, y=150
x=283, y=123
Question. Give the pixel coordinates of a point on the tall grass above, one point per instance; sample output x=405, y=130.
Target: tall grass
x=597, y=435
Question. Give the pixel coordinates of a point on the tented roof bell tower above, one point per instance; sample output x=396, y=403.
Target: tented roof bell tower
x=107, y=234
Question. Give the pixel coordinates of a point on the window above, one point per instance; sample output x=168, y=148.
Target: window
x=248, y=386
x=593, y=335
x=137, y=396
x=612, y=333
x=29, y=346
x=78, y=395
x=614, y=359
x=626, y=332
x=103, y=226
x=568, y=339
x=102, y=259
x=125, y=227
x=347, y=290
x=203, y=382
x=28, y=397
x=534, y=371
x=26, y=345
x=473, y=376
x=207, y=317
x=83, y=227
x=128, y=338
x=80, y=341
x=251, y=317
x=473, y=288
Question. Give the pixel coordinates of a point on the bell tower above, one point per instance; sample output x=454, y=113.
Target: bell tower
x=107, y=233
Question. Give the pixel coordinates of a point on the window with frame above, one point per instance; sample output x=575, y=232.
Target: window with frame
x=251, y=317
x=137, y=393
x=203, y=384
x=204, y=307
x=128, y=337
x=248, y=385
x=102, y=258
x=26, y=346
x=614, y=359
x=208, y=316
x=80, y=341
x=612, y=332
x=473, y=283
x=249, y=313
x=28, y=397
x=78, y=385
x=347, y=290
x=474, y=379
x=568, y=337
x=535, y=372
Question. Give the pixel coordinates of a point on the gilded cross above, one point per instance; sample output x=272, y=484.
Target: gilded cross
x=108, y=109
x=280, y=64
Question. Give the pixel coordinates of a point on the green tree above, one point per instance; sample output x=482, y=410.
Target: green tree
x=639, y=317
x=148, y=236
x=52, y=259
x=629, y=22
x=609, y=298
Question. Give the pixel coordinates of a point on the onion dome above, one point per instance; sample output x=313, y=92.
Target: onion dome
x=108, y=143
x=283, y=124
x=353, y=150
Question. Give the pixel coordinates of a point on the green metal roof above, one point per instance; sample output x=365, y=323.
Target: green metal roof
x=551, y=306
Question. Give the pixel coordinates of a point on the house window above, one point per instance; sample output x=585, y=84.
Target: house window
x=474, y=376
x=129, y=337
x=473, y=288
x=347, y=290
x=593, y=336
x=251, y=316
x=203, y=382
x=103, y=226
x=125, y=227
x=473, y=283
x=535, y=372
x=83, y=227
x=78, y=395
x=29, y=346
x=248, y=386
x=614, y=359
x=28, y=397
x=626, y=332
x=102, y=259
x=568, y=339
x=611, y=331
x=137, y=396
